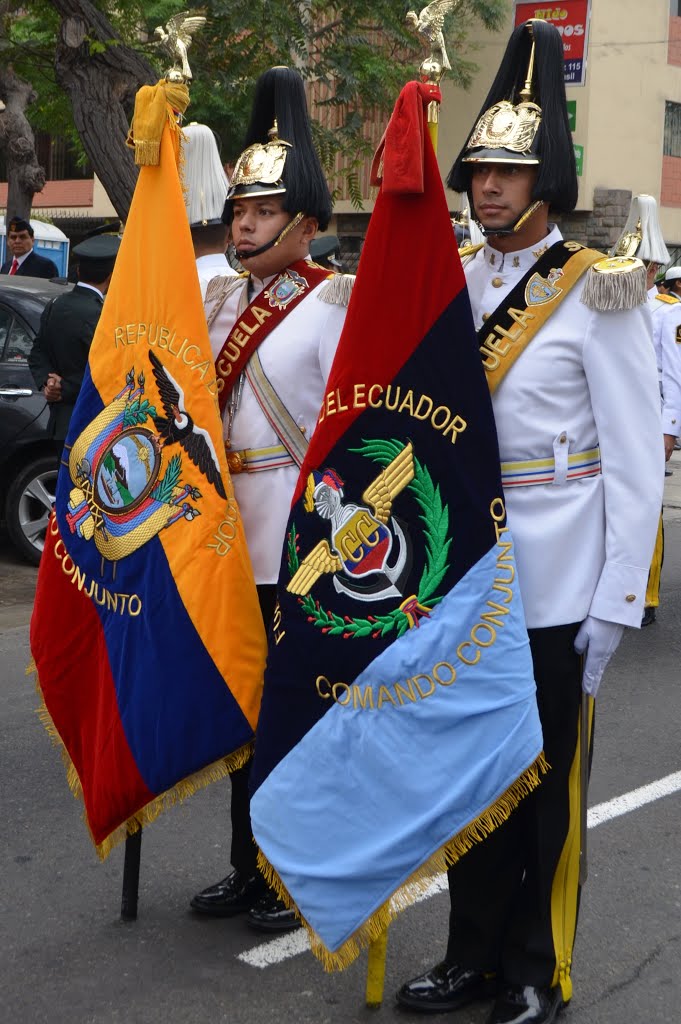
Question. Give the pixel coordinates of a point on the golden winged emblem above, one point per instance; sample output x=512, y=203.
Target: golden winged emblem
x=176, y=38
x=429, y=24
x=357, y=532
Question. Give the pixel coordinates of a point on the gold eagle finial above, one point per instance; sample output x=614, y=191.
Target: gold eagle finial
x=176, y=38
x=429, y=24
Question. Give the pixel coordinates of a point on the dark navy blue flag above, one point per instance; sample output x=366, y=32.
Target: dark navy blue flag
x=399, y=722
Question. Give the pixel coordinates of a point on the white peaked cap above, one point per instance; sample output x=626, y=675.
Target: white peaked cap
x=651, y=248
x=204, y=176
x=673, y=274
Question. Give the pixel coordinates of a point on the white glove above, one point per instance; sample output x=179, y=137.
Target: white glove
x=599, y=639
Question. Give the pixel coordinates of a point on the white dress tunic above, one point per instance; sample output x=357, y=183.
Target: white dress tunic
x=666, y=321
x=296, y=357
x=586, y=379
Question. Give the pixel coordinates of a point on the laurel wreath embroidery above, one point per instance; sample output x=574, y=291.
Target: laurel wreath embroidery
x=435, y=516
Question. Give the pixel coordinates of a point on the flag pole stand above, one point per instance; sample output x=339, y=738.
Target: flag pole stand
x=378, y=950
x=131, y=875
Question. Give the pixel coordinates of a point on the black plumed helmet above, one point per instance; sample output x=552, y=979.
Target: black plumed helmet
x=552, y=147
x=280, y=99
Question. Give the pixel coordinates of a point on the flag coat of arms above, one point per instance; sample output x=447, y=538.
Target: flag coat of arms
x=399, y=721
x=146, y=633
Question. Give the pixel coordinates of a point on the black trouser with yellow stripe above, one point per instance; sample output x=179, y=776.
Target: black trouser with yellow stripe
x=653, y=587
x=515, y=895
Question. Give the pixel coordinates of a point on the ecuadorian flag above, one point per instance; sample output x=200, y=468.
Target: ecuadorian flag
x=146, y=632
x=399, y=722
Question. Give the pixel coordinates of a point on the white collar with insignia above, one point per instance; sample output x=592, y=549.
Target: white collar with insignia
x=523, y=259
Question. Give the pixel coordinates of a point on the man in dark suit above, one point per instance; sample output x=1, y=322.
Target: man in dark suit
x=25, y=262
x=62, y=345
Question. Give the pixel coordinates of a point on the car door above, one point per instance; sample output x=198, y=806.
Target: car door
x=23, y=409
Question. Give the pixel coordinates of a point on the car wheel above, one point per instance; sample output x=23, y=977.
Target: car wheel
x=29, y=502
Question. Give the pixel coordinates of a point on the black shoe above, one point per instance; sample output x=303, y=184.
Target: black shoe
x=271, y=915
x=669, y=472
x=446, y=987
x=526, y=1004
x=233, y=895
x=648, y=616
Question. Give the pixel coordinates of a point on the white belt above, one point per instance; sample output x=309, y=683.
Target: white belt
x=543, y=471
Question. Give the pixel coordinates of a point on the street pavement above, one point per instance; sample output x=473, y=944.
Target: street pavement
x=67, y=958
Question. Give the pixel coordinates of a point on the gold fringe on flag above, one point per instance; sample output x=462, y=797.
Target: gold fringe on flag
x=151, y=811
x=418, y=882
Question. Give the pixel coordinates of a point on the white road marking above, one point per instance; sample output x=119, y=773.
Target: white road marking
x=631, y=801
x=286, y=946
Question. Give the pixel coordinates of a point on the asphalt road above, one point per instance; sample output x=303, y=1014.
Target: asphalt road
x=68, y=959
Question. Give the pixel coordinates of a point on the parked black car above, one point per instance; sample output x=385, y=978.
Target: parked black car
x=28, y=457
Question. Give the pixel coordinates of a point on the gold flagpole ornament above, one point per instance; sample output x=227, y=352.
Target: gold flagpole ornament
x=429, y=25
x=175, y=39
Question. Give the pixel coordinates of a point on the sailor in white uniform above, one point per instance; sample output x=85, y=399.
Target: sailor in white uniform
x=565, y=338
x=274, y=333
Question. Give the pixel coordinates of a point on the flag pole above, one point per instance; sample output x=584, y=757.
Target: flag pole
x=430, y=72
x=131, y=875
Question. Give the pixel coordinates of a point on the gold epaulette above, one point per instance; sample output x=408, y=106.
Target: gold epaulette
x=467, y=253
x=223, y=285
x=614, y=283
x=338, y=289
x=470, y=250
x=671, y=299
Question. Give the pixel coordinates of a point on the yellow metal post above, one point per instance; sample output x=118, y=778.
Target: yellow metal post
x=378, y=951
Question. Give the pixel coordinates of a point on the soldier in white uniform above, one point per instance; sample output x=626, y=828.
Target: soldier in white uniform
x=274, y=334
x=566, y=343
x=206, y=188
x=642, y=237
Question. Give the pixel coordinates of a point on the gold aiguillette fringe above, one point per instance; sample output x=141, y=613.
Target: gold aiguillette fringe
x=413, y=888
x=151, y=811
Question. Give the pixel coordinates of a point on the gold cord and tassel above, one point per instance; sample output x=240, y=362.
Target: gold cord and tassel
x=155, y=106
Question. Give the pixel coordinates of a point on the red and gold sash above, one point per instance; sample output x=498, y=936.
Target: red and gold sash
x=261, y=316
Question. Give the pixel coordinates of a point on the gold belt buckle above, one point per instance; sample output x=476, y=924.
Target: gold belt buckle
x=235, y=462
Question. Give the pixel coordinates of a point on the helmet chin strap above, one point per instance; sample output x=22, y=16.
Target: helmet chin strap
x=513, y=228
x=287, y=228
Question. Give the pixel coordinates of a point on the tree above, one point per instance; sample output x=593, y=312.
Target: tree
x=25, y=175
x=355, y=55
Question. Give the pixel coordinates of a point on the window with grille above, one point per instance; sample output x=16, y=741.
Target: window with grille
x=672, y=129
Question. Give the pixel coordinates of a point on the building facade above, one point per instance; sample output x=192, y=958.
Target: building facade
x=626, y=115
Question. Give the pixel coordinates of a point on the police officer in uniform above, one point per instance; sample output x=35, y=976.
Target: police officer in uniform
x=277, y=200
x=325, y=250
x=566, y=343
x=62, y=345
x=206, y=188
x=25, y=262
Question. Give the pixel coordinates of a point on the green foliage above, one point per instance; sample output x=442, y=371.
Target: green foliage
x=357, y=54
x=163, y=491
x=138, y=412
